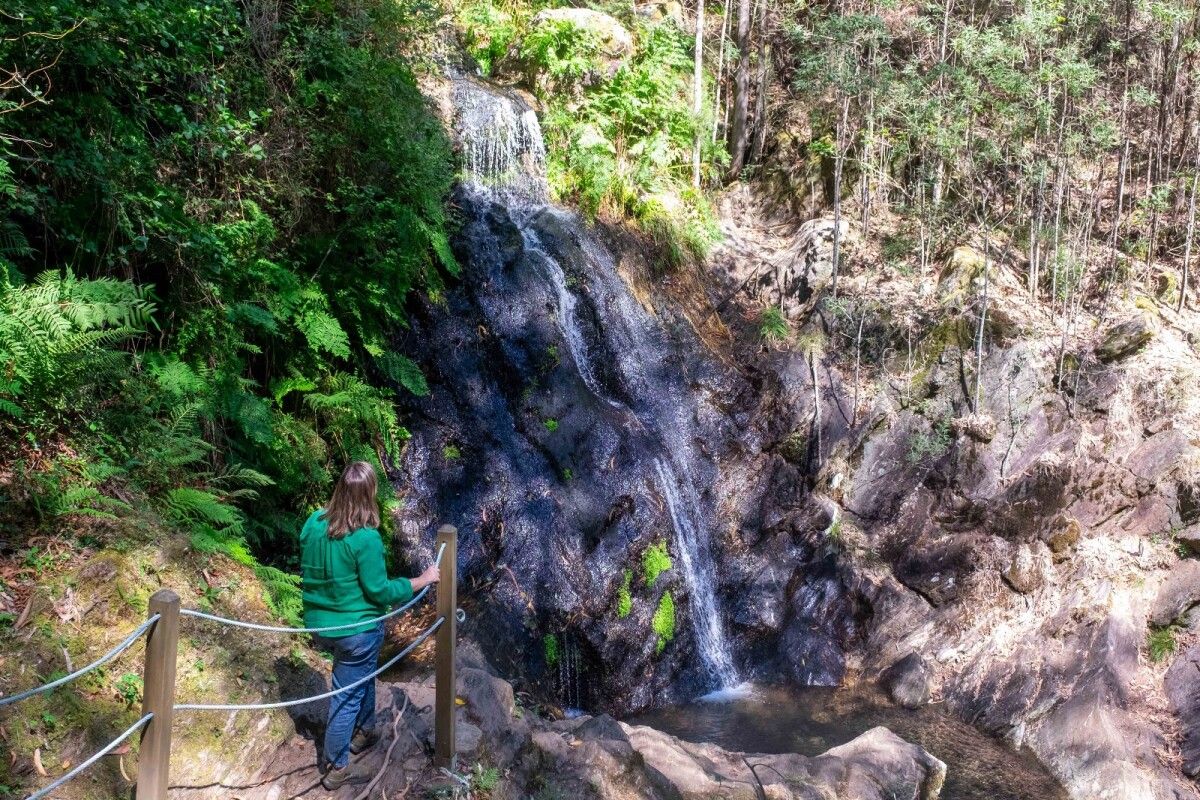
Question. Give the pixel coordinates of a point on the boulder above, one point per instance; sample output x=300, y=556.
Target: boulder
x=1029, y=568
x=1179, y=592
x=908, y=681
x=1125, y=339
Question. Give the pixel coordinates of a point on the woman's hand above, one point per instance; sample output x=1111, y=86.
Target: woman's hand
x=430, y=575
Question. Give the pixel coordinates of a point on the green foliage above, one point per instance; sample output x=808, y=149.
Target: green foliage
x=619, y=142
x=550, y=425
x=655, y=561
x=487, y=32
x=563, y=50
x=129, y=688
x=550, y=649
x=1160, y=643
x=451, y=452
x=932, y=444
x=484, y=779
x=625, y=595
x=59, y=338
x=773, y=325
x=251, y=206
x=664, y=622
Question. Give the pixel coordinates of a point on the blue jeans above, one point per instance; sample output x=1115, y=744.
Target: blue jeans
x=354, y=657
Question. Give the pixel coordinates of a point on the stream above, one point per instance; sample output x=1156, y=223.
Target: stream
x=811, y=720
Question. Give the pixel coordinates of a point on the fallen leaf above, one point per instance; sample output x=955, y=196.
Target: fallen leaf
x=124, y=774
x=37, y=763
x=122, y=750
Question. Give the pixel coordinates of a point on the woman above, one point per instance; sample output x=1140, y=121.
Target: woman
x=345, y=581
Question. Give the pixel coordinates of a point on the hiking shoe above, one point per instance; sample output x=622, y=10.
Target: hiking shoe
x=349, y=775
x=364, y=740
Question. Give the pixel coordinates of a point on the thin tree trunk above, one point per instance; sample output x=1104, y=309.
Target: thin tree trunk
x=857, y=366
x=717, y=107
x=760, y=114
x=1191, y=230
x=838, y=163
x=741, y=92
x=698, y=92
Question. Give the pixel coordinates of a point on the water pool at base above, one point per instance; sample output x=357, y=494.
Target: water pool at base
x=811, y=720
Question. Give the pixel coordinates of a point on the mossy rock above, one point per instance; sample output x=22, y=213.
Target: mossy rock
x=1125, y=339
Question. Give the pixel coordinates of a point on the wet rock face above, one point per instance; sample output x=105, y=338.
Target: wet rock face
x=551, y=446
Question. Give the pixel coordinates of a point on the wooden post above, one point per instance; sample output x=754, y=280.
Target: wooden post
x=447, y=608
x=158, y=697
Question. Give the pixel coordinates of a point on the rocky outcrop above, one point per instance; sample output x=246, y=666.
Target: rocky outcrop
x=1178, y=593
x=591, y=758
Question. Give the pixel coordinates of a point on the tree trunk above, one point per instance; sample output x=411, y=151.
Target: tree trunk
x=698, y=92
x=839, y=160
x=1191, y=230
x=717, y=106
x=741, y=92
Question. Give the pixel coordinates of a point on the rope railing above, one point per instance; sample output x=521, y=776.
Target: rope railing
x=304, y=700
x=254, y=626
x=108, y=748
x=125, y=644
x=162, y=646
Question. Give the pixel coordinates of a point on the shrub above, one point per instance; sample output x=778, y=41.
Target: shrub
x=550, y=649
x=934, y=444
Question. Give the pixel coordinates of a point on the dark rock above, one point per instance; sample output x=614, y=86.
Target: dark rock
x=1125, y=339
x=1179, y=592
x=908, y=681
x=1182, y=686
x=1189, y=539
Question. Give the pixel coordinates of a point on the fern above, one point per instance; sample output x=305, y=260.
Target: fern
x=402, y=370
x=189, y=505
x=349, y=408
x=60, y=335
x=324, y=333
x=85, y=501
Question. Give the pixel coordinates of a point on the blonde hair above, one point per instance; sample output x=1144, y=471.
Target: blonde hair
x=353, y=504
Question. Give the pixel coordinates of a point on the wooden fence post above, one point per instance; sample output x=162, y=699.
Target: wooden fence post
x=447, y=608
x=158, y=697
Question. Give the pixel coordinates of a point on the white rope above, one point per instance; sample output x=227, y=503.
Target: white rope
x=107, y=749
x=254, y=626
x=286, y=703
x=104, y=659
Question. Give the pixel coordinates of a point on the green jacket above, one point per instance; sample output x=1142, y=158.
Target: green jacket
x=345, y=580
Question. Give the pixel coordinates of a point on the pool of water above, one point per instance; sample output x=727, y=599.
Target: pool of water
x=811, y=720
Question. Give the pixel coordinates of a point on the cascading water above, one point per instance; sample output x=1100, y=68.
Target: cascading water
x=504, y=163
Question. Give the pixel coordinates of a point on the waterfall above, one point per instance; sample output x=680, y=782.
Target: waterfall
x=502, y=150
x=699, y=570
x=504, y=161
